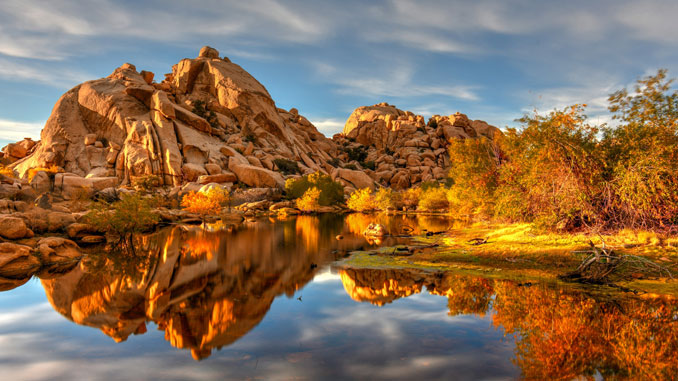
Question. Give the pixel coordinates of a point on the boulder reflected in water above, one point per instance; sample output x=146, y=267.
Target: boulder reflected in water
x=204, y=288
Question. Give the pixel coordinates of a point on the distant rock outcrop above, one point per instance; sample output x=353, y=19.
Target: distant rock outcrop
x=401, y=147
x=208, y=111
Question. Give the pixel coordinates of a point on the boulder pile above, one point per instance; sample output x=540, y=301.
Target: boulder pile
x=399, y=149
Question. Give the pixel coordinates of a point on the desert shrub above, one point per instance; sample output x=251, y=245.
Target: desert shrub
x=146, y=183
x=200, y=109
x=350, y=166
x=410, y=198
x=385, y=199
x=250, y=138
x=334, y=162
x=473, y=176
x=369, y=165
x=388, y=151
x=358, y=153
x=642, y=154
x=426, y=185
x=553, y=172
x=131, y=214
x=51, y=171
x=361, y=200
x=434, y=199
x=205, y=203
x=287, y=167
x=331, y=192
x=309, y=201
x=432, y=123
x=6, y=171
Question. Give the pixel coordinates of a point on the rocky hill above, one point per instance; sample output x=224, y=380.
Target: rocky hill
x=398, y=148
x=211, y=121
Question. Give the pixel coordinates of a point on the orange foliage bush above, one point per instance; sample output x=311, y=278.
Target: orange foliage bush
x=205, y=203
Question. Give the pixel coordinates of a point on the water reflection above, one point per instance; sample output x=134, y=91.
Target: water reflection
x=204, y=288
x=560, y=333
x=207, y=289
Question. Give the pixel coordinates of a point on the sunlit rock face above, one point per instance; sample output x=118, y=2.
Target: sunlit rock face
x=405, y=149
x=207, y=111
x=203, y=288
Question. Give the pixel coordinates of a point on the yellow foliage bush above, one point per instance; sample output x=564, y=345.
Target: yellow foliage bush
x=385, y=199
x=51, y=170
x=309, y=201
x=434, y=200
x=6, y=171
x=362, y=200
x=410, y=198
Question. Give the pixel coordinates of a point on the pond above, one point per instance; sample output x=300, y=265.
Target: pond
x=268, y=300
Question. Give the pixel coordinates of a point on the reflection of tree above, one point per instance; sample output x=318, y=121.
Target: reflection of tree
x=559, y=334
x=204, y=288
x=565, y=335
x=465, y=294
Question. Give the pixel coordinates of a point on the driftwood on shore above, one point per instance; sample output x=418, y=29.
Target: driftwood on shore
x=603, y=263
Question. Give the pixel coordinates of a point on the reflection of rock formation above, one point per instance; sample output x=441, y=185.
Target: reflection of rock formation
x=204, y=289
x=380, y=286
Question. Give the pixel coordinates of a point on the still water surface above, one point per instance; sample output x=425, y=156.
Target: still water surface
x=266, y=300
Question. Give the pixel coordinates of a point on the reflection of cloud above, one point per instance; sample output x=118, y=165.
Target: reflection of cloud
x=43, y=313
x=326, y=276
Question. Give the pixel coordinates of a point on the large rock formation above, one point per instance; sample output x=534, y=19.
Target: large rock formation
x=401, y=147
x=208, y=111
x=209, y=117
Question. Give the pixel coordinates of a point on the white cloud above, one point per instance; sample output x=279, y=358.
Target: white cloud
x=399, y=82
x=329, y=127
x=47, y=74
x=14, y=131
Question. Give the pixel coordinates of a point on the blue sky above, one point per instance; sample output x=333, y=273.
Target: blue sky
x=493, y=60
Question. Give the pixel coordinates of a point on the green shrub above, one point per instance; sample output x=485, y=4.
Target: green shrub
x=287, y=167
x=147, y=183
x=358, y=153
x=132, y=214
x=369, y=165
x=200, y=109
x=350, y=166
x=331, y=192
